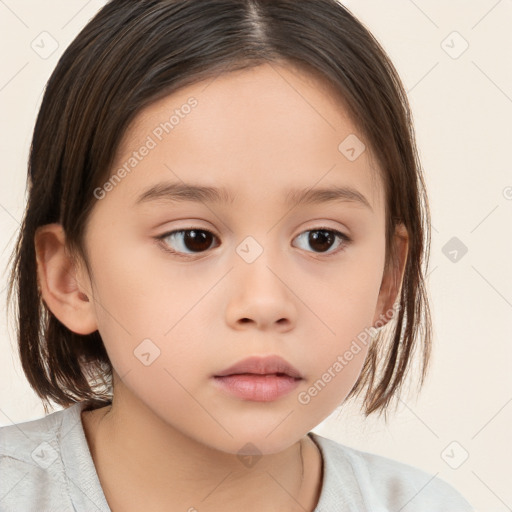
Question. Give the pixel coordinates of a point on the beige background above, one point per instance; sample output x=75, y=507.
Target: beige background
x=462, y=106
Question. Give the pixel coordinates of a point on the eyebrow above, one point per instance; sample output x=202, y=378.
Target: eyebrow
x=182, y=192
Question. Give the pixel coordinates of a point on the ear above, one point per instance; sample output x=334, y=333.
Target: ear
x=392, y=278
x=62, y=285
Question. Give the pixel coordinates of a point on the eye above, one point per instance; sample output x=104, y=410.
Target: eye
x=195, y=240
x=187, y=242
x=322, y=239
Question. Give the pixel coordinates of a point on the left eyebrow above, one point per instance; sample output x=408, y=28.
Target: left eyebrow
x=181, y=192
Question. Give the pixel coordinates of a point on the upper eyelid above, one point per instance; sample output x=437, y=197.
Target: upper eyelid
x=318, y=224
x=209, y=230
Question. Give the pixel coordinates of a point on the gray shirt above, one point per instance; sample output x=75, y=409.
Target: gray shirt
x=46, y=466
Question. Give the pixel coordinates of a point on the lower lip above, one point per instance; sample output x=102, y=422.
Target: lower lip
x=258, y=388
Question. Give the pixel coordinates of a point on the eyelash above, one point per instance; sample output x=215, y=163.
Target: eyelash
x=161, y=239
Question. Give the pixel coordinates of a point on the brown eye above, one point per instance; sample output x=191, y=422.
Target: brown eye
x=188, y=241
x=322, y=240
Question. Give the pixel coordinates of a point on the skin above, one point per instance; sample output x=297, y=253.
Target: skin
x=258, y=132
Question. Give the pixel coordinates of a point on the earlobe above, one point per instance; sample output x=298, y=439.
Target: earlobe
x=61, y=285
x=392, y=279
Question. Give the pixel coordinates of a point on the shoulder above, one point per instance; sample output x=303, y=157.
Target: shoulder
x=387, y=484
x=31, y=469
x=20, y=439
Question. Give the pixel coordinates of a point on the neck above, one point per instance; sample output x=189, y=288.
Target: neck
x=173, y=468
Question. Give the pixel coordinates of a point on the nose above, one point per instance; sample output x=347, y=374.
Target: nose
x=261, y=296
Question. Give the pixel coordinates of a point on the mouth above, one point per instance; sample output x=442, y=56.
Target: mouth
x=256, y=387
x=259, y=379
x=256, y=366
x=277, y=374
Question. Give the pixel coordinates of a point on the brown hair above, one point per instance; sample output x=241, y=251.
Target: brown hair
x=133, y=53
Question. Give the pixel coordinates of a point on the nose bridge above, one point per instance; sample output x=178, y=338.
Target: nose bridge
x=260, y=293
x=259, y=258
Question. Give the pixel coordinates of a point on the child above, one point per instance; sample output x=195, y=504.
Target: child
x=191, y=376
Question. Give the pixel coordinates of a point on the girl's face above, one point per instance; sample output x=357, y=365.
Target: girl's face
x=263, y=275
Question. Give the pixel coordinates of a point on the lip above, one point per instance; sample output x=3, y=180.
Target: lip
x=259, y=379
x=267, y=365
x=257, y=388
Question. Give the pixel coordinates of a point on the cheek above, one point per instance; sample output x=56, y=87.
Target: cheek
x=147, y=308
x=346, y=299
x=139, y=287
x=344, y=308
x=336, y=353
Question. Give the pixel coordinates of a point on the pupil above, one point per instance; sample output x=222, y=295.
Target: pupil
x=321, y=238
x=195, y=240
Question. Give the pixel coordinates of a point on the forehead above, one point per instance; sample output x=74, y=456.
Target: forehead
x=257, y=132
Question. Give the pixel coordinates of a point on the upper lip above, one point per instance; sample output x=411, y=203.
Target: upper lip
x=262, y=366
